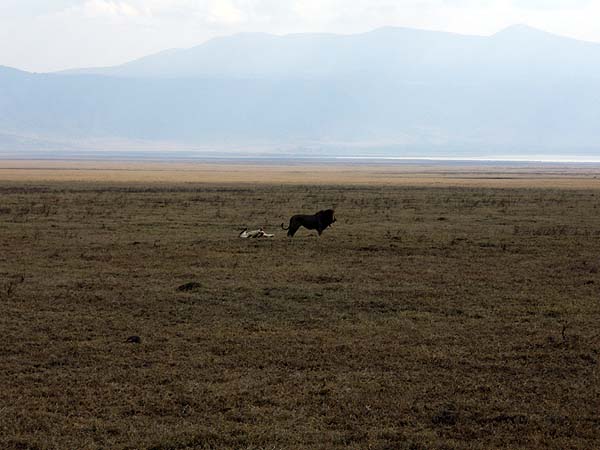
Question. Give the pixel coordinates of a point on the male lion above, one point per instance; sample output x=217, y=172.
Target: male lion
x=318, y=221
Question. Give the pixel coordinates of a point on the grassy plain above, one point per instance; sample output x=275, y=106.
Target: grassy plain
x=457, y=312
x=304, y=172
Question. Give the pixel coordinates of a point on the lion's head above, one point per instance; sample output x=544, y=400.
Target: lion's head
x=327, y=217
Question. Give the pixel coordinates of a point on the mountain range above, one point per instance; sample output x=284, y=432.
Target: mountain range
x=392, y=91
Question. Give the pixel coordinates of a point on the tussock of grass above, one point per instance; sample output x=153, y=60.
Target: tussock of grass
x=190, y=286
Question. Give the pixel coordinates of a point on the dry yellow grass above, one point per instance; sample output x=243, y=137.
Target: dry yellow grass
x=393, y=174
x=428, y=317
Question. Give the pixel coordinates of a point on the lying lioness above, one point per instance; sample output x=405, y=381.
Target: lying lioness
x=318, y=221
x=254, y=234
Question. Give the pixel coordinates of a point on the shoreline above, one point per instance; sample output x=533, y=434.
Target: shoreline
x=527, y=160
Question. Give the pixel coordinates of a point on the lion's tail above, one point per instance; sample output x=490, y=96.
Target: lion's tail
x=284, y=227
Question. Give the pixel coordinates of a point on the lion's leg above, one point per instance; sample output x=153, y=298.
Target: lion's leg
x=292, y=230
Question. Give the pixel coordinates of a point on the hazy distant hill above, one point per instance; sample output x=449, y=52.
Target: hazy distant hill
x=392, y=90
x=413, y=55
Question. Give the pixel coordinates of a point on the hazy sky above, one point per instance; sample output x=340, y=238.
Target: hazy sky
x=46, y=35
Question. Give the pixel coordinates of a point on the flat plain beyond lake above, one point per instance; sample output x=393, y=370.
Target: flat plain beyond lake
x=451, y=306
x=309, y=172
